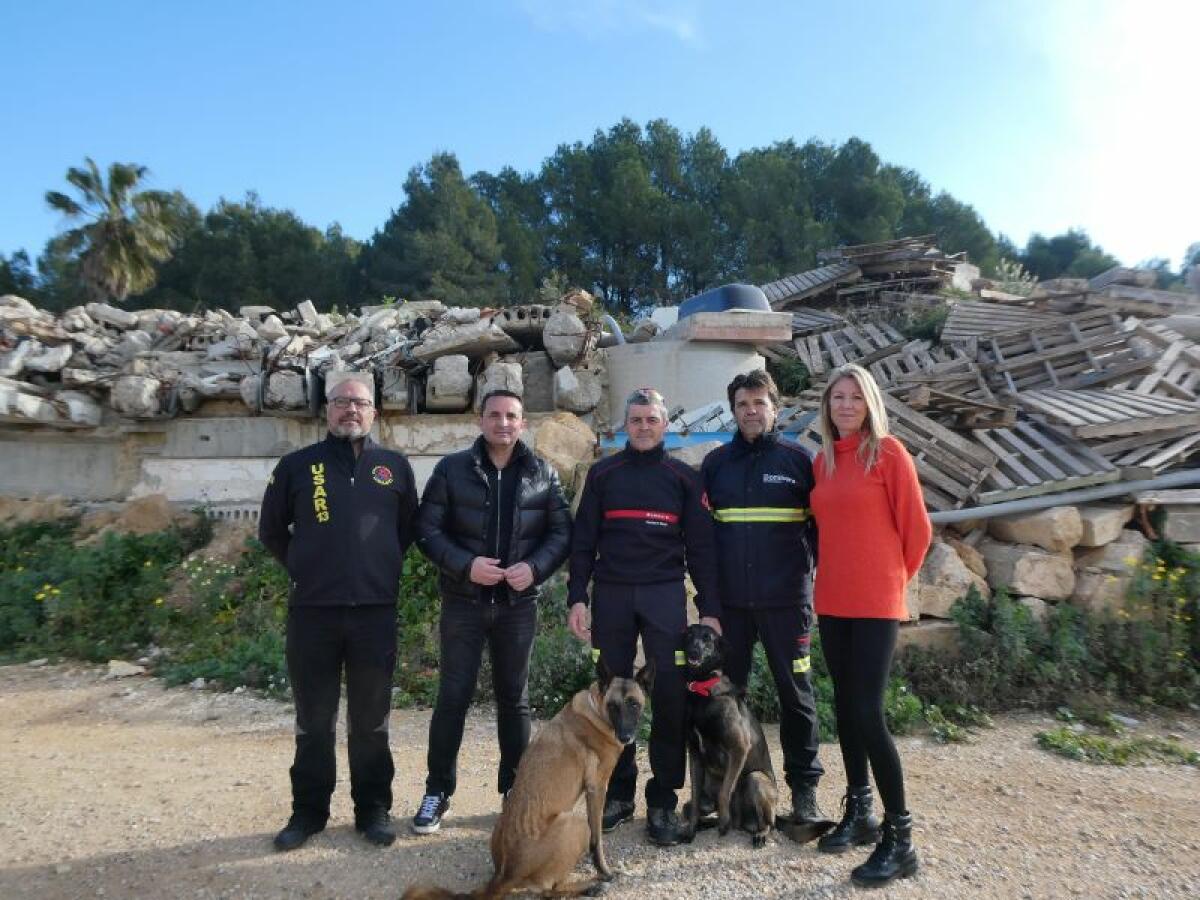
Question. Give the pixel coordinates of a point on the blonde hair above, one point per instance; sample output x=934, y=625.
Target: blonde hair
x=875, y=427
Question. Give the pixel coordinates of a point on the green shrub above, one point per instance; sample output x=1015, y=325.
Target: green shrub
x=791, y=376
x=1114, y=751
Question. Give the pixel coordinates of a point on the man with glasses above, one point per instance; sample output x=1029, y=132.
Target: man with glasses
x=339, y=515
x=494, y=520
x=641, y=522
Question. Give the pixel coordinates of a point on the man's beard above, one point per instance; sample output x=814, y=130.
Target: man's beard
x=350, y=430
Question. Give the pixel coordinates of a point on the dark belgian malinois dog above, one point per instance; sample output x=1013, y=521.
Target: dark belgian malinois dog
x=728, y=757
x=539, y=837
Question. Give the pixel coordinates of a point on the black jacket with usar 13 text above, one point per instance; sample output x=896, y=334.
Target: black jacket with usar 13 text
x=641, y=520
x=758, y=492
x=352, y=521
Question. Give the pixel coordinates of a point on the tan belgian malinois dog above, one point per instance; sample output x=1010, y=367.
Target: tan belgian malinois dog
x=539, y=836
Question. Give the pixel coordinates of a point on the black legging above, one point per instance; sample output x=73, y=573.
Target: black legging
x=859, y=655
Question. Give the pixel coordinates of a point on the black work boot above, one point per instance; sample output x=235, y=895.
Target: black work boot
x=662, y=827
x=893, y=857
x=804, y=804
x=616, y=812
x=296, y=832
x=376, y=826
x=857, y=828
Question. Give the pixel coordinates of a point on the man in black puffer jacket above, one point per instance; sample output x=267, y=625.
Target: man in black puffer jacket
x=757, y=486
x=494, y=520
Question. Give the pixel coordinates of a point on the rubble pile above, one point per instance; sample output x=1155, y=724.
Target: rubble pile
x=96, y=364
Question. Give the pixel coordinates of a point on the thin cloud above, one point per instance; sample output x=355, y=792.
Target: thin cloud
x=599, y=19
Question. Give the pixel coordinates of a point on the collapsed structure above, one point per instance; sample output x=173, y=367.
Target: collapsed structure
x=1014, y=394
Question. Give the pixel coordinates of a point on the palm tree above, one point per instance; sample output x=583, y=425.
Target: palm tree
x=129, y=233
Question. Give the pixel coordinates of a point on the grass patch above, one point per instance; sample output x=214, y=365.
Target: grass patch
x=1114, y=750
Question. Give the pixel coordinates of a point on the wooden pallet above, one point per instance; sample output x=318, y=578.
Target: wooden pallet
x=814, y=321
x=951, y=468
x=969, y=319
x=1176, y=369
x=1096, y=414
x=1086, y=350
x=1033, y=459
x=879, y=348
x=956, y=410
x=795, y=289
x=1146, y=455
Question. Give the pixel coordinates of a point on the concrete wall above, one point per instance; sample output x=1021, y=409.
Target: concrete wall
x=222, y=462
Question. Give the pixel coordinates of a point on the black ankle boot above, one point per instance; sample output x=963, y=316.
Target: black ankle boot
x=857, y=828
x=893, y=857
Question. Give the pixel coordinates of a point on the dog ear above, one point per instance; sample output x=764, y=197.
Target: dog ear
x=645, y=677
x=603, y=675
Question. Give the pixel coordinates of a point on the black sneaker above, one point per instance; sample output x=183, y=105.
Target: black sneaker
x=429, y=817
x=376, y=827
x=662, y=827
x=616, y=812
x=296, y=832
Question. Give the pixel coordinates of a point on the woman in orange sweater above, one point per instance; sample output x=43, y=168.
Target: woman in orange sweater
x=873, y=532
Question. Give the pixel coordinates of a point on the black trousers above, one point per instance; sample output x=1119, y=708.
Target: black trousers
x=658, y=612
x=859, y=655
x=321, y=641
x=508, y=630
x=784, y=633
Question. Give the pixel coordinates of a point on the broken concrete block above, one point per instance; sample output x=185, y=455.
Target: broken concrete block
x=393, y=388
x=1024, y=569
x=1103, y=523
x=475, y=339
x=158, y=321
x=307, y=313
x=945, y=578
x=577, y=391
x=693, y=454
x=132, y=343
x=524, y=322
x=256, y=314
x=1100, y=592
x=271, y=328
x=78, y=408
x=499, y=376
x=12, y=362
x=1056, y=529
x=78, y=377
x=12, y=301
x=565, y=336
x=50, y=360
x=110, y=315
x=285, y=390
x=76, y=319
x=1036, y=605
x=460, y=315
x=537, y=379
x=1182, y=525
x=136, y=396
x=643, y=330
x=448, y=387
x=1122, y=556
x=248, y=390
x=565, y=442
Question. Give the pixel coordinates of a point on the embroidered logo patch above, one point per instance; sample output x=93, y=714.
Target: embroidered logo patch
x=382, y=475
x=772, y=478
x=320, y=496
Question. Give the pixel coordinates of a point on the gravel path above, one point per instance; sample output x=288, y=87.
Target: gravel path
x=126, y=789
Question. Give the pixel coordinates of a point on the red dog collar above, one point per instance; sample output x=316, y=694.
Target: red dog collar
x=703, y=688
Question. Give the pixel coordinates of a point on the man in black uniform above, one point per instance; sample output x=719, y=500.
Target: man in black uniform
x=757, y=486
x=339, y=515
x=494, y=520
x=640, y=521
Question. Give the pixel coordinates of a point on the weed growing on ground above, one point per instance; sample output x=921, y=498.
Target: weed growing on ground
x=1114, y=750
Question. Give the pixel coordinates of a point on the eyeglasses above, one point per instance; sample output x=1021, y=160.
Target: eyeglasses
x=347, y=402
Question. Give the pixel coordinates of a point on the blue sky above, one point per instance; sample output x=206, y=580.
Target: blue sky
x=1043, y=115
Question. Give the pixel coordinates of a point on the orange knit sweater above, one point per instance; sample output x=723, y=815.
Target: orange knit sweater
x=873, y=532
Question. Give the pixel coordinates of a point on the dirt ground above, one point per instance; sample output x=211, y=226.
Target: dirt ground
x=121, y=788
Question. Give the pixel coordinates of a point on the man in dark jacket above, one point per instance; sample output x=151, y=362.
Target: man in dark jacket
x=640, y=521
x=757, y=486
x=494, y=520
x=339, y=515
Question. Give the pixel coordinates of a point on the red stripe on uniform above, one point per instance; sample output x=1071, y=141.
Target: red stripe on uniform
x=646, y=515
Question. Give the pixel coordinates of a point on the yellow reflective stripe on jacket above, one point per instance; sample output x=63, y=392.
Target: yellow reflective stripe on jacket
x=761, y=514
x=801, y=664
x=680, y=659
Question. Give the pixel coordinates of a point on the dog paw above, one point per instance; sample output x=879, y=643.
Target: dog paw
x=758, y=841
x=597, y=889
x=723, y=825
